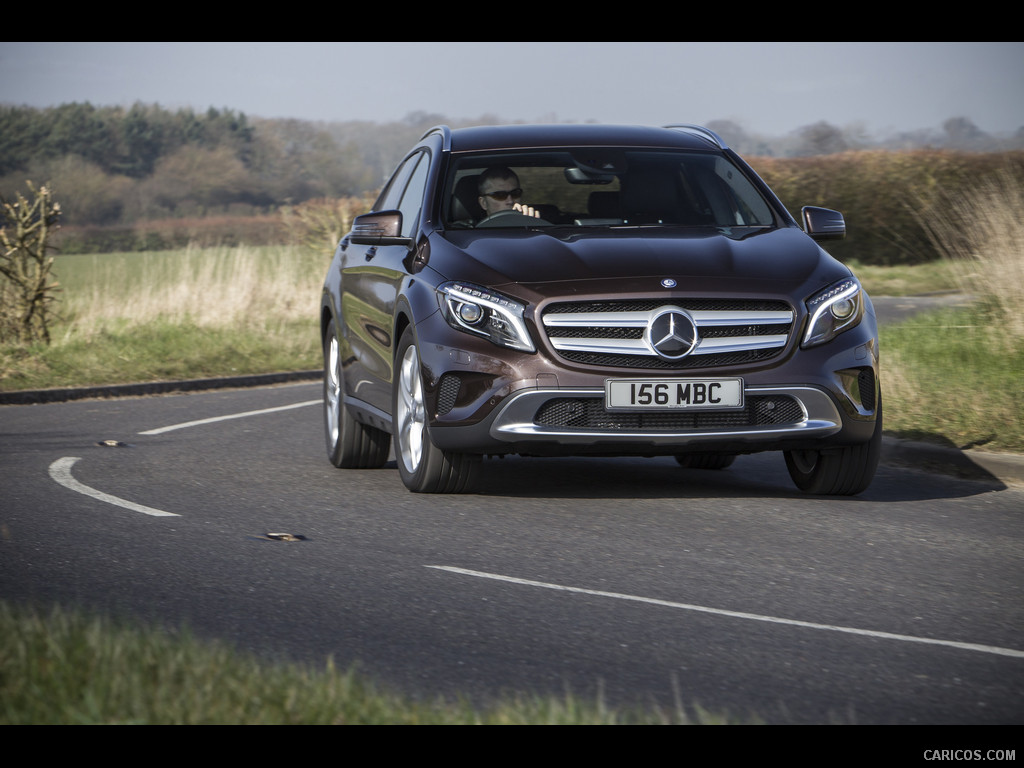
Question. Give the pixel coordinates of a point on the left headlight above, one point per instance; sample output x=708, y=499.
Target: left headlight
x=834, y=310
x=483, y=312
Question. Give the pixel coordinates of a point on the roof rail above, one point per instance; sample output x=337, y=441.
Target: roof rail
x=446, y=136
x=700, y=131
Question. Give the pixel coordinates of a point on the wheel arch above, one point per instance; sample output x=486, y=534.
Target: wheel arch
x=416, y=302
x=403, y=319
x=325, y=320
x=327, y=314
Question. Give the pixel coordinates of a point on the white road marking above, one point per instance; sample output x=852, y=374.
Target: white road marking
x=184, y=425
x=740, y=615
x=60, y=471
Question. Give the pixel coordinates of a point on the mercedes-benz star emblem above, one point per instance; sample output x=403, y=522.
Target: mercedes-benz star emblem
x=671, y=333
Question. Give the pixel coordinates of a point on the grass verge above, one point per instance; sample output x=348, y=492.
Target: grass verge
x=63, y=668
x=954, y=377
x=160, y=351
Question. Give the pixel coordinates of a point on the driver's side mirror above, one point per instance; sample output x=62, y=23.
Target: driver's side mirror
x=379, y=228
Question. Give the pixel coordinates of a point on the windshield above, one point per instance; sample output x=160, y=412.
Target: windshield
x=601, y=187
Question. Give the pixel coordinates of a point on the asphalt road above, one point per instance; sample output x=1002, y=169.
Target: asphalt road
x=891, y=309
x=630, y=579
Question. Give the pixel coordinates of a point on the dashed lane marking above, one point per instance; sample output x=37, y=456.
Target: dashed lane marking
x=60, y=470
x=215, y=419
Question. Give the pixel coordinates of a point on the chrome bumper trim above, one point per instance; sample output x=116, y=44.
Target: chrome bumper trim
x=514, y=422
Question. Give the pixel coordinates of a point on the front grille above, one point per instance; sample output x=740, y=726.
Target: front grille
x=611, y=333
x=650, y=362
x=588, y=413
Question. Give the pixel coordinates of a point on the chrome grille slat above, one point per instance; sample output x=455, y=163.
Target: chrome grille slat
x=610, y=333
x=639, y=347
x=639, y=319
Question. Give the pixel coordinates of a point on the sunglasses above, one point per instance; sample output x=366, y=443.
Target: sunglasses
x=503, y=194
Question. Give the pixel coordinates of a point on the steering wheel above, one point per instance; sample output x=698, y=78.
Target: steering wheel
x=511, y=218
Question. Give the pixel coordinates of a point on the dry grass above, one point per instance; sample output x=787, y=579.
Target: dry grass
x=218, y=287
x=173, y=315
x=981, y=232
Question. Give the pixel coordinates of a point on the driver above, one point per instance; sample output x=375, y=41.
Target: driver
x=500, y=191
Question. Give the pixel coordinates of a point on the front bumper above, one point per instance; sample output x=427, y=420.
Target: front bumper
x=573, y=421
x=487, y=401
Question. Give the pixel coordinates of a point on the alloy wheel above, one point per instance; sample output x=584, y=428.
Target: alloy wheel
x=411, y=413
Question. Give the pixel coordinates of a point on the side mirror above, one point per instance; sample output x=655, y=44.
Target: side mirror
x=823, y=223
x=379, y=228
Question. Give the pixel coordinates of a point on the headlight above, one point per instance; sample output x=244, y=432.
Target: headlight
x=834, y=310
x=483, y=312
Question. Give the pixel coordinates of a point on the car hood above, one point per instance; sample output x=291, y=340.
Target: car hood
x=550, y=261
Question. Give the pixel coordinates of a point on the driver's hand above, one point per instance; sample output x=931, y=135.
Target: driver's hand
x=526, y=210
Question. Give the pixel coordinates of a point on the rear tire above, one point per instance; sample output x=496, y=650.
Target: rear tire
x=350, y=444
x=423, y=467
x=843, y=471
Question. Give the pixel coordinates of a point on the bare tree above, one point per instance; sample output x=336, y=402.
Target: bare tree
x=28, y=289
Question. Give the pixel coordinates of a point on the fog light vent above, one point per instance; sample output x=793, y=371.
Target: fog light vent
x=447, y=393
x=866, y=385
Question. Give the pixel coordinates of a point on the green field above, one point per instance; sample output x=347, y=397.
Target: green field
x=170, y=315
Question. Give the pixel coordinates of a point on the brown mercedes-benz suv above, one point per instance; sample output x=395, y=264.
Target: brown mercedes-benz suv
x=594, y=290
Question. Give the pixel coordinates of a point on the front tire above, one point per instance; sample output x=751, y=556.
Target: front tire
x=423, y=467
x=350, y=444
x=843, y=471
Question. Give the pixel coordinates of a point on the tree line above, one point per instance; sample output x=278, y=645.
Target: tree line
x=120, y=165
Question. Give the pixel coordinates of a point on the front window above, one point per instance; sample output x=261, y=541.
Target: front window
x=602, y=187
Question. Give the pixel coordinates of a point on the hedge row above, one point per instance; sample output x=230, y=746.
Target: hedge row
x=884, y=196
x=170, y=234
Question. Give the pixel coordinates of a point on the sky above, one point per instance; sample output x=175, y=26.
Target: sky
x=768, y=88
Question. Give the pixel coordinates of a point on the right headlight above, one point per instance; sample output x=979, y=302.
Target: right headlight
x=483, y=312
x=833, y=310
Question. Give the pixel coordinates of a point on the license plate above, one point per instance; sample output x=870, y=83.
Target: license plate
x=668, y=394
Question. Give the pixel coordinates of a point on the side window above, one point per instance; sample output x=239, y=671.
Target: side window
x=412, y=200
x=392, y=195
